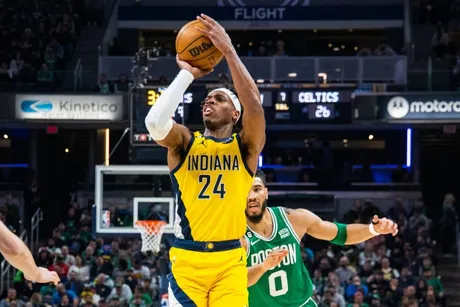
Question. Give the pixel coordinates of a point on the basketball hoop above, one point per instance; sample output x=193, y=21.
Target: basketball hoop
x=151, y=232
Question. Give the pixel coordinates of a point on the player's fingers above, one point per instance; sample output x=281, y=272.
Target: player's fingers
x=206, y=22
x=55, y=277
x=208, y=18
x=280, y=252
x=201, y=30
x=390, y=224
x=382, y=223
x=395, y=232
x=375, y=219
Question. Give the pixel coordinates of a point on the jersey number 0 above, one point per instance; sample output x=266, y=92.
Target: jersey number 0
x=218, y=186
x=278, y=288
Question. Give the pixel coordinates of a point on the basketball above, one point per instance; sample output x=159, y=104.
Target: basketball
x=195, y=48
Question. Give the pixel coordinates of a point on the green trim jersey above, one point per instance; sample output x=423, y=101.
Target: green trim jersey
x=288, y=284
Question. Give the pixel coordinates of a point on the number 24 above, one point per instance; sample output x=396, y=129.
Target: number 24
x=219, y=186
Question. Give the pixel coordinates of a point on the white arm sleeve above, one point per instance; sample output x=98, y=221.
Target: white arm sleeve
x=158, y=121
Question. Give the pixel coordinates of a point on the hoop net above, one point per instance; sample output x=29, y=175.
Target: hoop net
x=151, y=232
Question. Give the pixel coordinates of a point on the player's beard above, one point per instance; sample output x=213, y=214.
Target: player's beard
x=258, y=217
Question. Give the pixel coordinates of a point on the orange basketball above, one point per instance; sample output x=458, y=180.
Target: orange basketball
x=195, y=48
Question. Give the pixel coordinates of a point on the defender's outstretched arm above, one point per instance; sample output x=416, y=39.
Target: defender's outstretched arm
x=306, y=221
x=17, y=253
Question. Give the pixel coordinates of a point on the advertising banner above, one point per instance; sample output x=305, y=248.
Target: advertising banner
x=304, y=13
x=410, y=107
x=69, y=107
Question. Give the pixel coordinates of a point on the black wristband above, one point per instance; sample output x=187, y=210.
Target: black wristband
x=375, y=223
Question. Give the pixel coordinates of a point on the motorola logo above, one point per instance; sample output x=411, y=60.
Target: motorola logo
x=398, y=107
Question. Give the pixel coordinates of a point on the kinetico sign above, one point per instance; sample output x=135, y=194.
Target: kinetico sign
x=69, y=107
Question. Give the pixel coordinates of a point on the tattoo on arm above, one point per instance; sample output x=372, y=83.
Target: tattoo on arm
x=287, y=211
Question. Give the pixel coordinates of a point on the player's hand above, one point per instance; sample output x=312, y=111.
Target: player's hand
x=385, y=226
x=45, y=276
x=216, y=34
x=196, y=72
x=274, y=258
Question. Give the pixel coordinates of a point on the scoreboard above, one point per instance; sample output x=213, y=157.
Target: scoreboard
x=291, y=106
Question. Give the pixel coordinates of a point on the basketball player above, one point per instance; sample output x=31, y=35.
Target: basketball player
x=276, y=275
x=212, y=174
x=19, y=256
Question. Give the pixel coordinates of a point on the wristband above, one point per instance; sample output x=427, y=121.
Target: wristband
x=341, y=237
x=372, y=230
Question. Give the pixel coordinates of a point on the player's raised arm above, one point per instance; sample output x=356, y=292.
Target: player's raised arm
x=253, y=133
x=17, y=253
x=159, y=122
x=305, y=221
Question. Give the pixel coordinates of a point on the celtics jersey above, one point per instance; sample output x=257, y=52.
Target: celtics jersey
x=288, y=284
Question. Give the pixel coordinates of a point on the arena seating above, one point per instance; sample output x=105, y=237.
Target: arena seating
x=37, y=40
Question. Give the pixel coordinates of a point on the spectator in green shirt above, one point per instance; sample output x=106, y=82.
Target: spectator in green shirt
x=358, y=300
x=434, y=282
x=44, y=74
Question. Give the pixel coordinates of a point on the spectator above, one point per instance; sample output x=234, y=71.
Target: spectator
x=355, y=286
x=44, y=75
x=81, y=269
x=337, y=297
x=345, y=272
x=104, y=86
x=396, y=209
x=406, y=279
x=440, y=41
x=358, y=300
x=418, y=219
x=122, y=292
x=61, y=268
x=65, y=301
x=89, y=294
x=12, y=299
x=366, y=270
x=368, y=254
x=139, y=270
x=101, y=288
x=74, y=283
x=140, y=297
x=122, y=84
x=376, y=283
x=375, y=300
x=389, y=273
x=36, y=300
x=318, y=281
x=427, y=264
x=99, y=267
x=448, y=224
x=44, y=258
x=393, y=296
x=61, y=291
x=434, y=282
x=68, y=259
x=16, y=64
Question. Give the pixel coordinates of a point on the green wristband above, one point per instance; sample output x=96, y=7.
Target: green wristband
x=341, y=237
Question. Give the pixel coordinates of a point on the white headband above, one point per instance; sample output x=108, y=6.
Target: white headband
x=233, y=98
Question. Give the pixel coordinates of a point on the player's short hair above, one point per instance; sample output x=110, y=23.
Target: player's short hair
x=260, y=174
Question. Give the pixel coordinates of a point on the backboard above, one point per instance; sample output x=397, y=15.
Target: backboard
x=117, y=209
